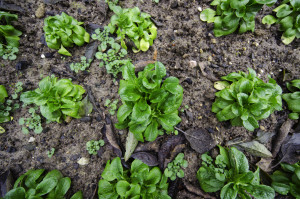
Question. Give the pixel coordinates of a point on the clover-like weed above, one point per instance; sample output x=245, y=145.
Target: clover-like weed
x=33, y=123
x=93, y=146
x=80, y=66
x=175, y=167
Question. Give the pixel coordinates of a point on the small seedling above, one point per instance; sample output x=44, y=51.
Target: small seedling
x=50, y=153
x=184, y=108
x=18, y=88
x=93, y=146
x=33, y=122
x=175, y=167
x=110, y=53
x=111, y=105
x=83, y=65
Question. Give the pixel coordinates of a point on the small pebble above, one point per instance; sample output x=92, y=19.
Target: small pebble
x=31, y=139
x=83, y=161
x=193, y=64
x=199, y=9
x=43, y=56
x=214, y=41
x=40, y=12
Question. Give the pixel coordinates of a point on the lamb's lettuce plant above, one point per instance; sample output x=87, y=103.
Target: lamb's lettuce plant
x=230, y=173
x=288, y=16
x=231, y=15
x=35, y=184
x=135, y=25
x=57, y=99
x=287, y=180
x=64, y=31
x=9, y=36
x=247, y=100
x=140, y=181
x=293, y=99
x=150, y=104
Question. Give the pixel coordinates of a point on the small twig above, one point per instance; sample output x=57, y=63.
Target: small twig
x=185, y=133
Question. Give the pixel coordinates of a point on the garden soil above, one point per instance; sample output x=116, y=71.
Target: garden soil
x=185, y=45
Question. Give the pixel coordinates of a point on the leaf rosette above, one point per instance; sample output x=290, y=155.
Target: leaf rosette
x=231, y=15
x=140, y=181
x=64, y=31
x=56, y=99
x=247, y=100
x=293, y=99
x=150, y=105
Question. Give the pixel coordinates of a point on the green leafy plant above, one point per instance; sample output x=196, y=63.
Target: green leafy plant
x=9, y=36
x=93, y=146
x=293, y=99
x=64, y=31
x=83, y=65
x=233, y=14
x=110, y=52
x=230, y=173
x=18, y=88
x=34, y=122
x=134, y=24
x=175, y=167
x=288, y=180
x=50, y=153
x=247, y=100
x=112, y=105
x=288, y=16
x=7, y=106
x=149, y=106
x=57, y=99
x=35, y=184
x=138, y=182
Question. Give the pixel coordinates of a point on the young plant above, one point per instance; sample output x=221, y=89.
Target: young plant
x=93, y=146
x=83, y=65
x=230, y=173
x=7, y=106
x=50, y=153
x=288, y=16
x=18, y=89
x=138, y=182
x=36, y=184
x=247, y=100
x=111, y=105
x=34, y=122
x=293, y=99
x=233, y=14
x=110, y=52
x=288, y=180
x=64, y=31
x=175, y=167
x=9, y=36
x=149, y=106
x=57, y=99
x=134, y=24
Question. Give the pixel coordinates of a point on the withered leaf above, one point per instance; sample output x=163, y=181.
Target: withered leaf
x=146, y=157
x=6, y=183
x=264, y=137
x=131, y=143
x=107, y=130
x=167, y=146
x=290, y=149
x=256, y=149
x=200, y=140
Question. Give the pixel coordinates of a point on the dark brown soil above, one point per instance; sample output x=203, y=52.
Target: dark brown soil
x=182, y=38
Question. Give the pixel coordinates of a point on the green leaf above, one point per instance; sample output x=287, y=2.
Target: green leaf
x=3, y=94
x=46, y=186
x=256, y=149
x=128, y=92
x=32, y=177
x=151, y=131
x=141, y=111
x=208, y=15
x=16, y=193
x=229, y=191
x=281, y=188
x=144, y=45
x=64, y=51
x=269, y=19
x=250, y=124
x=122, y=187
x=113, y=170
x=238, y=161
x=153, y=176
x=62, y=187
x=77, y=195
x=168, y=121
x=260, y=191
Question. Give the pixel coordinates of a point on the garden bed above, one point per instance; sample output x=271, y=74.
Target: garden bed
x=190, y=52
